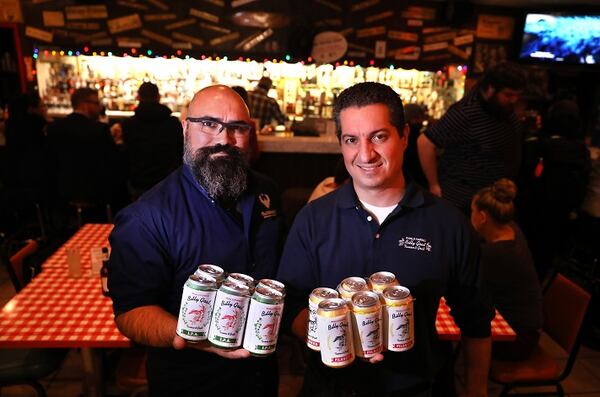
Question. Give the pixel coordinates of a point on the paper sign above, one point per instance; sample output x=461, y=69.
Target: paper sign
x=377, y=17
x=346, y=32
x=214, y=27
x=461, y=40
x=131, y=4
x=95, y=36
x=363, y=4
x=251, y=41
x=437, y=57
x=128, y=43
x=190, y=39
x=159, y=4
x=495, y=27
x=182, y=46
x=380, y=46
x=329, y=22
x=180, y=24
x=101, y=42
x=156, y=37
x=39, y=34
x=83, y=25
x=159, y=17
x=224, y=39
x=439, y=37
x=458, y=52
x=410, y=53
x=414, y=22
x=368, y=32
x=86, y=12
x=437, y=29
x=329, y=4
x=53, y=18
x=328, y=47
x=10, y=11
x=237, y=3
x=122, y=24
x=414, y=12
x=204, y=15
x=404, y=36
x=435, y=46
x=360, y=48
x=218, y=3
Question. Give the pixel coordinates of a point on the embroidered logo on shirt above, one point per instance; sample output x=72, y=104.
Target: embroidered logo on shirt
x=266, y=202
x=414, y=243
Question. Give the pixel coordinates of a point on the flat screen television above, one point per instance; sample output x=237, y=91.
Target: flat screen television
x=560, y=37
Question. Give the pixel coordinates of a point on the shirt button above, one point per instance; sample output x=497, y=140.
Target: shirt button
x=369, y=218
x=377, y=235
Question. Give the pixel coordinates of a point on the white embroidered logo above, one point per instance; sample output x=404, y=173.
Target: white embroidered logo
x=414, y=243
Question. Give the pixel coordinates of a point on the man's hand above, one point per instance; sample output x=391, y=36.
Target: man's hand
x=180, y=343
x=375, y=359
x=436, y=189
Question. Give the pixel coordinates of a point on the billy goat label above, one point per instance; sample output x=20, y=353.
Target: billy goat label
x=335, y=335
x=195, y=314
x=415, y=243
x=263, y=327
x=368, y=339
x=400, y=328
x=228, y=320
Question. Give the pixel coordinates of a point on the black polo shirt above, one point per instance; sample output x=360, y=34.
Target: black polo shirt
x=430, y=247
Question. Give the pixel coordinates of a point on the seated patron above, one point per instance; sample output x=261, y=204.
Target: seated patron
x=507, y=270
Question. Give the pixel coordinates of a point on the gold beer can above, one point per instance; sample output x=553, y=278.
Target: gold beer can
x=349, y=286
x=316, y=296
x=398, y=319
x=381, y=280
x=367, y=324
x=335, y=333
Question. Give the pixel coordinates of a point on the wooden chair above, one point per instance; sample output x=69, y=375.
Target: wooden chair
x=25, y=366
x=564, y=306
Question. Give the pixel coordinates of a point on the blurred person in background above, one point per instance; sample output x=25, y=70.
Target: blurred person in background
x=263, y=107
x=415, y=116
x=507, y=269
x=253, y=152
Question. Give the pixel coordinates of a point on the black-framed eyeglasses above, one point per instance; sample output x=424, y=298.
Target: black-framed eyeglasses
x=214, y=127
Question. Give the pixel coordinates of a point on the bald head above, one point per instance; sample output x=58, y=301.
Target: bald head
x=220, y=99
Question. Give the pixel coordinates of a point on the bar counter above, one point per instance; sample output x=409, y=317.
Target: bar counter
x=286, y=142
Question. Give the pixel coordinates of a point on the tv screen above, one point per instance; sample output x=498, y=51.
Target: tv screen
x=557, y=37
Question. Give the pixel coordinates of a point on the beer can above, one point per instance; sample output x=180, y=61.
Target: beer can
x=229, y=315
x=381, y=280
x=241, y=278
x=316, y=296
x=215, y=271
x=335, y=333
x=276, y=285
x=264, y=318
x=398, y=319
x=349, y=286
x=367, y=324
x=196, y=307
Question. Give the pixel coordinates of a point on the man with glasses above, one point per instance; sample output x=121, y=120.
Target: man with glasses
x=82, y=159
x=213, y=209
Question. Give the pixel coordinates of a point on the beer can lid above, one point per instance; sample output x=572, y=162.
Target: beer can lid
x=382, y=278
x=211, y=269
x=278, y=285
x=396, y=292
x=353, y=284
x=365, y=299
x=325, y=293
x=240, y=277
x=267, y=294
x=203, y=280
x=333, y=304
x=236, y=287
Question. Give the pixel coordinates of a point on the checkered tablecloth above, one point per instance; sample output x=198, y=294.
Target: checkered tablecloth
x=448, y=330
x=86, y=238
x=54, y=310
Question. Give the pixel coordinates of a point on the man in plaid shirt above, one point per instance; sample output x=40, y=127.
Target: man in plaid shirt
x=263, y=107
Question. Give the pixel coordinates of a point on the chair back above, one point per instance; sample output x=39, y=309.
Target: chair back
x=15, y=262
x=565, y=304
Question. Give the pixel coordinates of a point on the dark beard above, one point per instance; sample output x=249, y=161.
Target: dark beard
x=224, y=177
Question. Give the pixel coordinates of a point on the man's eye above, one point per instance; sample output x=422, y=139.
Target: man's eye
x=379, y=138
x=349, y=140
x=209, y=124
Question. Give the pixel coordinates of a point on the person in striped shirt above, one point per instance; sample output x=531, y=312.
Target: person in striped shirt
x=262, y=106
x=480, y=136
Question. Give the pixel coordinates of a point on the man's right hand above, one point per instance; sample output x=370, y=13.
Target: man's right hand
x=180, y=343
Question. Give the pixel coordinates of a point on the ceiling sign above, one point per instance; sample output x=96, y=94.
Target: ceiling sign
x=328, y=47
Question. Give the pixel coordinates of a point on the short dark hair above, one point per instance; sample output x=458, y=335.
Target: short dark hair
x=265, y=83
x=82, y=95
x=148, y=92
x=505, y=75
x=369, y=93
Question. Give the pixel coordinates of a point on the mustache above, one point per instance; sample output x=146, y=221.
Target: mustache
x=220, y=148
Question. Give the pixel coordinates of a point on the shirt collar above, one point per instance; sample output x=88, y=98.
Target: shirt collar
x=413, y=196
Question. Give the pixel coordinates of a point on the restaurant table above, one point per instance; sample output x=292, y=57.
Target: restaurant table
x=58, y=311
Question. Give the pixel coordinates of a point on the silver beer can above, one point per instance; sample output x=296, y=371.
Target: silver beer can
x=196, y=307
x=276, y=285
x=264, y=318
x=335, y=333
x=316, y=296
x=215, y=271
x=242, y=278
x=349, y=286
x=398, y=319
x=367, y=324
x=229, y=315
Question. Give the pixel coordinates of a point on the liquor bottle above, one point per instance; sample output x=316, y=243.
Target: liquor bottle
x=104, y=278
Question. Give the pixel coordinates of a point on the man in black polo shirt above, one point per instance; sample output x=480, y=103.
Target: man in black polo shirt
x=380, y=221
x=481, y=138
x=213, y=209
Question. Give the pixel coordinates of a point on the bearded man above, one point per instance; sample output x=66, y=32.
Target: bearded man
x=213, y=209
x=480, y=136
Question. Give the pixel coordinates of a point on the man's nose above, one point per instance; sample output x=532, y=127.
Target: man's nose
x=365, y=151
x=226, y=138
